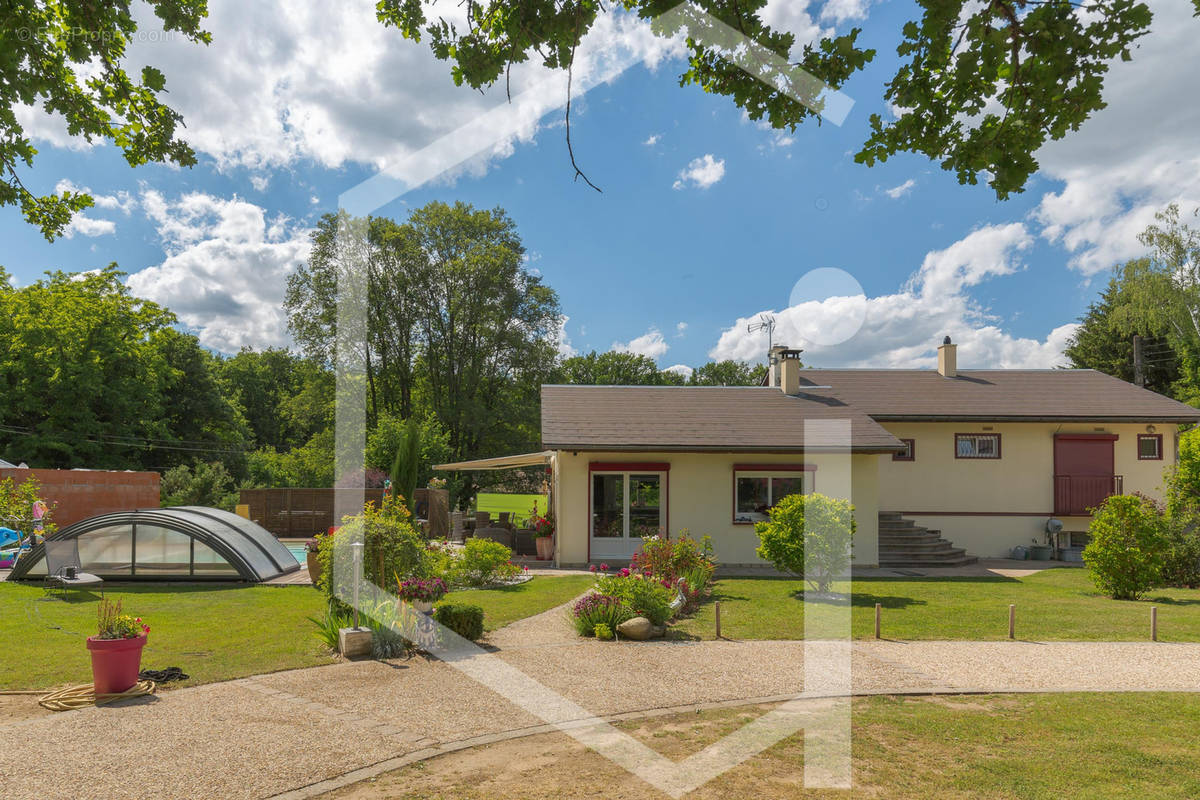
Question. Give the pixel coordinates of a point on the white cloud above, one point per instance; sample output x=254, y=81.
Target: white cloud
x=225, y=270
x=652, y=140
x=842, y=10
x=561, y=340
x=680, y=369
x=85, y=225
x=650, y=344
x=681, y=328
x=260, y=182
x=896, y=192
x=903, y=329
x=1133, y=157
x=793, y=16
x=701, y=172
x=283, y=83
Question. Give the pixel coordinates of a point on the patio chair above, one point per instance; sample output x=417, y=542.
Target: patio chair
x=506, y=520
x=483, y=519
x=63, y=567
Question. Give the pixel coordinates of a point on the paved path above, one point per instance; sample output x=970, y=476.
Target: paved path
x=267, y=735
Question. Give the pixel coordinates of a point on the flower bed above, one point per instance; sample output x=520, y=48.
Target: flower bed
x=667, y=578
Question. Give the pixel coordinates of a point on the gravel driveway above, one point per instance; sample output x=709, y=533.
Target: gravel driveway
x=262, y=736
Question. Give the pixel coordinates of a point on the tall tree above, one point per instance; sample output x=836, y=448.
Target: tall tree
x=1102, y=344
x=611, y=369
x=66, y=55
x=1164, y=292
x=284, y=398
x=981, y=86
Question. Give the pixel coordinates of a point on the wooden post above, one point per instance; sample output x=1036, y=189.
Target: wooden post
x=1154, y=623
x=717, y=610
x=1012, y=621
x=878, y=607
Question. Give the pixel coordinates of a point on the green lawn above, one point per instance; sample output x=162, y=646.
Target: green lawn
x=519, y=505
x=212, y=632
x=511, y=603
x=1053, y=604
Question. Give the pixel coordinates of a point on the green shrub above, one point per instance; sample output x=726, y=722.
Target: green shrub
x=392, y=547
x=1127, y=547
x=329, y=625
x=604, y=633
x=644, y=597
x=593, y=610
x=465, y=620
x=670, y=559
x=809, y=535
x=481, y=562
x=1181, y=560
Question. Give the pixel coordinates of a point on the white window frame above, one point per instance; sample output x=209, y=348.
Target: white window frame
x=626, y=526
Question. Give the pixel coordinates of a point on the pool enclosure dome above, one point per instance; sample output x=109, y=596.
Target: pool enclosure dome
x=181, y=543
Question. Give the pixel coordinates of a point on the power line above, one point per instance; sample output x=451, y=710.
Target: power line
x=141, y=445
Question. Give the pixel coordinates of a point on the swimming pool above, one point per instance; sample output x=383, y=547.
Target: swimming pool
x=298, y=551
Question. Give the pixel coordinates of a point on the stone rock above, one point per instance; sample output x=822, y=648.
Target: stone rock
x=639, y=629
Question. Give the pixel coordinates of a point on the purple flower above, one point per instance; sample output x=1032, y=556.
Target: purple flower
x=603, y=567
x=591, y=567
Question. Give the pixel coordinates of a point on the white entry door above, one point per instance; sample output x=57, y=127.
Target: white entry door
x=625, y=507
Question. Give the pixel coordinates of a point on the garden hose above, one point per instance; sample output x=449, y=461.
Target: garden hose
x=84, y=695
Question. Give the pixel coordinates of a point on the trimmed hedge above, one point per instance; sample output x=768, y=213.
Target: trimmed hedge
x=465, y=620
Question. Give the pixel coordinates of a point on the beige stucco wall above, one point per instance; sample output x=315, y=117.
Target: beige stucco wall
x=700, y=498
x=1019, y=483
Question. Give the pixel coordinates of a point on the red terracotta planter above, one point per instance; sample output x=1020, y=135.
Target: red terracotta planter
x=115, y=663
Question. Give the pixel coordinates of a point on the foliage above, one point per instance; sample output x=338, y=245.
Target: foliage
x=113, y=624
x=465, y=620
x=16, y=506
x=670, y=559
x=1181, y=558
x=644, y=597
x=428, y=589
x=385, y=623
x=308, y=466
x=385, y=439
x=457, y=327
x=1103, y=343
x=285, y=399
x=1124, y=555
x=328, y=625
x=66, y=56
x=407, y=465
x=728, y=373
x=603, y=632
x=809, y=535
x=90, y=372
x=481, y=562
x=980, y=87
x=392, y=547
x=611, y=369
x=595, y=609
x=542, y=526
x=203, y=484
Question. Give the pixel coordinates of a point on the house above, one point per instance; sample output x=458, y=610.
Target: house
x=942, y=465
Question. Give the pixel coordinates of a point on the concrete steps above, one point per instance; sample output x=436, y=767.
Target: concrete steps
x=903, y=543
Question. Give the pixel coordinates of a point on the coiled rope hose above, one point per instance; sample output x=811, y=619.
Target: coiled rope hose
x=85, y=695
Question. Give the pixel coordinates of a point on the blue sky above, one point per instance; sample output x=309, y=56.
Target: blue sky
x=661, y=263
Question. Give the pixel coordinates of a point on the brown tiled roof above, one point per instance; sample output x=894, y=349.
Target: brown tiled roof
x=719, y=419
x=1059, y=394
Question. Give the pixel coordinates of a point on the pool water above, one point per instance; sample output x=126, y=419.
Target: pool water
x=298, y=551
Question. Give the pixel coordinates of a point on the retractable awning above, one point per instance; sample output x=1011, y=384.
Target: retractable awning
x=501, y=462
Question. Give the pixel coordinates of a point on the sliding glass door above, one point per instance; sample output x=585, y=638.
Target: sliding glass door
x=625, y=507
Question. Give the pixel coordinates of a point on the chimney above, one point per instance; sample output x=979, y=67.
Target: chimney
x=789, y=370
x=773, y=357
x=948, y=359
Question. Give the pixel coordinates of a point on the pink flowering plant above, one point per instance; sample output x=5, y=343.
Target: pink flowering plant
x=681, y=564
x=644, y=597
x=429, y=590
x=542, y=526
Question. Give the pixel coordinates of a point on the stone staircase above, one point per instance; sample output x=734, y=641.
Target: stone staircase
x=902, y=543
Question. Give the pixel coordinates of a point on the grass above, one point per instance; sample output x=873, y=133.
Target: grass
x=1055, y=604
x=511, y=603
x=212, y=632
x=992, y=747
x=519, y=505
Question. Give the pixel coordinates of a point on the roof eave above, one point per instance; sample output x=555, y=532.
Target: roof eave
x=1038, y=418
x=644, y=448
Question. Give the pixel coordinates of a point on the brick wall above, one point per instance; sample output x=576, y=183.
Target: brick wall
x=77, y=494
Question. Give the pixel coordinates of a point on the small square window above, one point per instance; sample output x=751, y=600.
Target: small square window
x=1149, y=446
x=977, y=445
x=909, y=453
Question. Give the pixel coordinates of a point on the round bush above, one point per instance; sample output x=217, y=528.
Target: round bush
x=465, y=620
x=809, y=535
x=1127, y=547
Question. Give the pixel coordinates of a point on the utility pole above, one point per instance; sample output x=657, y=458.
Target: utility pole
x=1139, y=368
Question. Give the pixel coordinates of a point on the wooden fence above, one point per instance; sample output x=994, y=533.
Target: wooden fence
x=303, y=513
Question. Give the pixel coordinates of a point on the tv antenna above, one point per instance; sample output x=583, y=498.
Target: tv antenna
x=765, y=323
